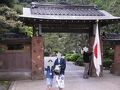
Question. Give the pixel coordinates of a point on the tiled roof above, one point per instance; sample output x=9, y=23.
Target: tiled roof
x=112, y=36
x=65, y=10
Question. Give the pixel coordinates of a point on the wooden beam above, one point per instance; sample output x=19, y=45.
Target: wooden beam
x=64, y=30
x=32, y=21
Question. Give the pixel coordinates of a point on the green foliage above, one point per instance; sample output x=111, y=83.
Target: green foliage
x=46, y=54
x=7, y=19
x=50, y=0
x=28, y=30
x=108, y=57
x=4, y=84
x=9, y=3
x=7, y=12
x=80, y=61
x=77, y=58
x=18, y=8
x=54, y=42
x=72, y=57
x=68, y=57
x=9, y=22
x=107, y=63
x=2, y=50
x=108, y=53
x=28, y=1
x=65, y=43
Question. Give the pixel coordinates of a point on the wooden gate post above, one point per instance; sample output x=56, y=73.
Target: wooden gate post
x=116, y=64
x=37, y=57
x=92, y=68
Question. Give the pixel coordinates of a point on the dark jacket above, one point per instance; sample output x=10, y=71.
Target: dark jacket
x=86, y=57
x=62, y=64
x=49, y=73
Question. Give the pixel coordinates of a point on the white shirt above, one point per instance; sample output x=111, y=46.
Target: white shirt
x=58, y=60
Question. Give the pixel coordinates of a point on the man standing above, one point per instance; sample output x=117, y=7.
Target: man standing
x=86, y=59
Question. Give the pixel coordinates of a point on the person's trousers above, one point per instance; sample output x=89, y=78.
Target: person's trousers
x=86, y=70
x=59, y=81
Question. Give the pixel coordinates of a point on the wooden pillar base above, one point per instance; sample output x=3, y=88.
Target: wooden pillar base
x=93, y=71
x=115, y=69
x=37, y=58
x=116, y=65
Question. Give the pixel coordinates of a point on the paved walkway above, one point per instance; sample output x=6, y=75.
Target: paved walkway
x=74, y=81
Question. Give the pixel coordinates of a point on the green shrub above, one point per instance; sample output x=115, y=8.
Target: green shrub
x=79, y=61
x=107, y=63
x=5, y=84
x=109, y=53
x=2, y=50
x=18, y=8
x=72, y=57
x=46, y=54
x=68, y=57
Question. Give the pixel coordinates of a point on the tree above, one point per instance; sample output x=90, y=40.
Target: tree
x=65, y=43
x=9, y=3
x=9, y=22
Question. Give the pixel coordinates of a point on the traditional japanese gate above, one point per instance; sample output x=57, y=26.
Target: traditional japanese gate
x=50, y=18
x=47, y=18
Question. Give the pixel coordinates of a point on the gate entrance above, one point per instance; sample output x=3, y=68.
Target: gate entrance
x=57, y=18
x=61, y=18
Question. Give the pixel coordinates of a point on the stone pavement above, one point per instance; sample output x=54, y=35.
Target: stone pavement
x=74, y=81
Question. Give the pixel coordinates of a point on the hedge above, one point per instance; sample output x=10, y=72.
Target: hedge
x=77, y=58
x=72, y=57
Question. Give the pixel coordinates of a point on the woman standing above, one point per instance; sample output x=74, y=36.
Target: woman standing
x=59, y=70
